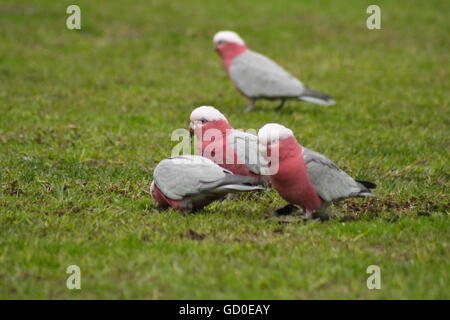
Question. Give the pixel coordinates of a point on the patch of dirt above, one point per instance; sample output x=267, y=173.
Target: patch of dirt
x=194, y=235
x=349, y=210
x=387, y=204
x=13, y=189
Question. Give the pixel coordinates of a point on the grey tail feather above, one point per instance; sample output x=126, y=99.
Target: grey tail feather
x=367, y=184
x=316, y=97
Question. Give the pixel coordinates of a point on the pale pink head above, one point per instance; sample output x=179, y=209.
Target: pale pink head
x=229, y=45
x=274, y=135
x=206, y=117
x=276, y=143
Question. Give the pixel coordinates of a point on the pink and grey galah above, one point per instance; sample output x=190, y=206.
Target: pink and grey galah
x=232, y=149
x=304, y=177
x=247, y=152
x=190, y=182
x=258, y=77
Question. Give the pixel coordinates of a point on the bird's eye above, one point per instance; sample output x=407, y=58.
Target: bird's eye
x=220, y=42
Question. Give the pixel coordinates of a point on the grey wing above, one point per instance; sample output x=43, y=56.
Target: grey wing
x=329, y=180
x=245, y=145
x=186, y=177
x=259, y=77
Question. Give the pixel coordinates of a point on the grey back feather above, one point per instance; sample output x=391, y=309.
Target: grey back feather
x=190, y=175
x=259, y=77
x=329, y=180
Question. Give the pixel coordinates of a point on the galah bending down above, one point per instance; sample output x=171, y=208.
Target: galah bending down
x=258, y=77
x=234, y=150
x=190, y=182
x=304, y=177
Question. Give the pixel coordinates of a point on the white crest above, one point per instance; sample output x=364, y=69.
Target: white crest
x=207, y=113
x=273, y=132
x=228, y=36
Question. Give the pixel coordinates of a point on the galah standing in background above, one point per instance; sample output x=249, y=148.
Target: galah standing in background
x=190, y=182
x=258, y=77
x=311, y=181
x=232, y=149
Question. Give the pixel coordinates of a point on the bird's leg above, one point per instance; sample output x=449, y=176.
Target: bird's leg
x=251, y=105
x=281, y=104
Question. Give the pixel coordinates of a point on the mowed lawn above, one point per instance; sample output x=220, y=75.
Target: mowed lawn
x=86, y=115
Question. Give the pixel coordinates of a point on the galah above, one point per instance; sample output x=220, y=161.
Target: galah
x=234, y=150
x=242, y=147
x=304, y=177
x=190, y=182
x=257, y=77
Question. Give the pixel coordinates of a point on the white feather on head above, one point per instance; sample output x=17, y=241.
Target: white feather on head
x=228, y=36
x=207, y=113
x=272, y=133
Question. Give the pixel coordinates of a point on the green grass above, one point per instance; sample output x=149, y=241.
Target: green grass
x=85, y=116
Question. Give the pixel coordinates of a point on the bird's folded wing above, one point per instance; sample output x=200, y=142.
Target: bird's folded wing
x=184, y=178
x=329, y=180
x=259, y=77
